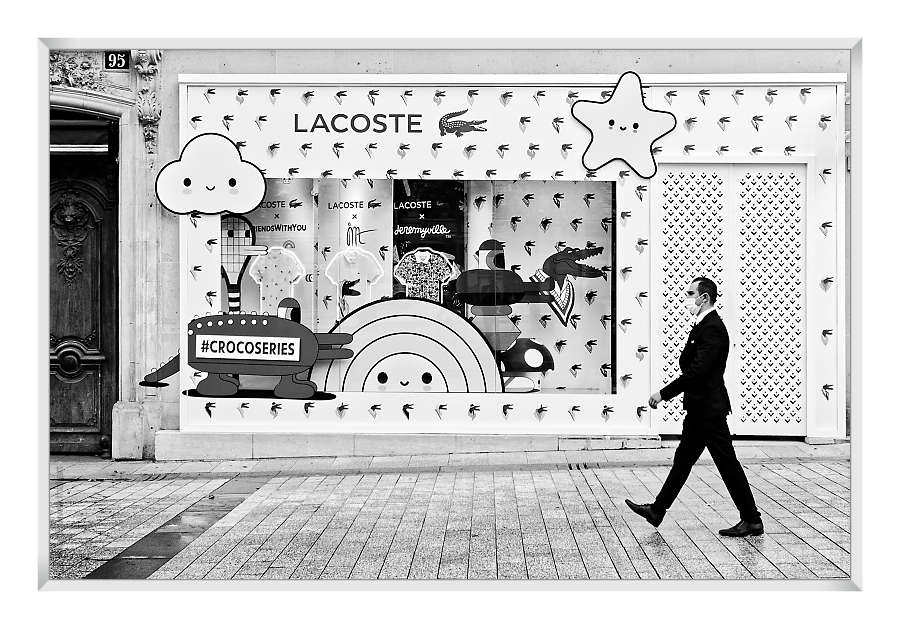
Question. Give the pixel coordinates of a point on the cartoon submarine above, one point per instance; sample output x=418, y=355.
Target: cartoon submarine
x=227, y=345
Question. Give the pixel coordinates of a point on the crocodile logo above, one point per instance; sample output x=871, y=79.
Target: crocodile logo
x=458, y=127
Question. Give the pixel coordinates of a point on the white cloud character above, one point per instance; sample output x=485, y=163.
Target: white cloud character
x=210, y=178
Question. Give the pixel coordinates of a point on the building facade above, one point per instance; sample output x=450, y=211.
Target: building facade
x=489, y=287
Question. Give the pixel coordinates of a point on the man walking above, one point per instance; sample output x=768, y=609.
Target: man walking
x=702, y=364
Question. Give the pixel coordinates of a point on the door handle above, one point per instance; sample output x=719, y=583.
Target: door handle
x=71, y=357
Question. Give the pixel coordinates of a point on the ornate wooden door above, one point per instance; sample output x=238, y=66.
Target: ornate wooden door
x=83, y=301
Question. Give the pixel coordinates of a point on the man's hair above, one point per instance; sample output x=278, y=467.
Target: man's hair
x=706, y=285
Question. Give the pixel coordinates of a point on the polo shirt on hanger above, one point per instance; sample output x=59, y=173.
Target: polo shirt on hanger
x=276, y=272
x=424, y=272
x=353, y=269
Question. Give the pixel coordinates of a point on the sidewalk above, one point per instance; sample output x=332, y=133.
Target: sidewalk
x=548, y=516
x=69, y=467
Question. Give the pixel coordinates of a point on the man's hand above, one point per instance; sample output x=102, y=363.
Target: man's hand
x=654, y=400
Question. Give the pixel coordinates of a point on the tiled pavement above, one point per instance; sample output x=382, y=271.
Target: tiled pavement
x=92, y=521
x=542, y=523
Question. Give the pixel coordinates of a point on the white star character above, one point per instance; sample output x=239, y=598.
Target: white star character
x=623, y=127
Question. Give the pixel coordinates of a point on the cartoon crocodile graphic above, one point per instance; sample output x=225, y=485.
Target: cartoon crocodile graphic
x=458, y=127
x=552, y=284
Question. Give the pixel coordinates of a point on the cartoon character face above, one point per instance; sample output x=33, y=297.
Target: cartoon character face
x=210, y=178
x=405, y=373
x=622, y=127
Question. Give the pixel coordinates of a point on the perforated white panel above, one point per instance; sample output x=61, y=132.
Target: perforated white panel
x=692, y=224
x=771, y=299
x=742, y=226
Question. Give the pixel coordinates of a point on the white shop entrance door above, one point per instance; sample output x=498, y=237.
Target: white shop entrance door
x=743, y=226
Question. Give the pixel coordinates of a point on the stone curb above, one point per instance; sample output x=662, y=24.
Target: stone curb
x=331, y=470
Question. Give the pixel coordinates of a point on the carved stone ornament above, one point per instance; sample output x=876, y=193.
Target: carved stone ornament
x=146, y=62
x=71, y=221
x=76, y=71
x=149, y=109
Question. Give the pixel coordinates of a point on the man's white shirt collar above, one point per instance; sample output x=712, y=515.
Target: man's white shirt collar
x=701, y=315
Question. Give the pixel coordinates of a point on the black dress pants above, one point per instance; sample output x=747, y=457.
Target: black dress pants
x=701, y=432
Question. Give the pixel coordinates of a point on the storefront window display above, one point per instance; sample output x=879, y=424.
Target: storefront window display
x=352, y=245
x=480, y=256
x=429, y=239
x=267, y=254
x=527, y=264
x=558, y=239
x=453, y=260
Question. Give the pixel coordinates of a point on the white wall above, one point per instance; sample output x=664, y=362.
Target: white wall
x=412, y=62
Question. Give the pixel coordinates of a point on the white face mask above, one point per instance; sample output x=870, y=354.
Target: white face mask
x=691, y=304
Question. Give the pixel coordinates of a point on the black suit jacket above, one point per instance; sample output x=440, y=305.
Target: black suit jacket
x=702, y=364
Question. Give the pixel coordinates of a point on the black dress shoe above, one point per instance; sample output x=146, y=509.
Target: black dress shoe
x=743, y=529
x=647, y=512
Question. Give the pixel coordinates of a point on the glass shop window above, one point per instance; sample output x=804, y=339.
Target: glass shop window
x=548, y=249
x=353, y=246
x=429, y=240
x=268, y=254
x=526, y=267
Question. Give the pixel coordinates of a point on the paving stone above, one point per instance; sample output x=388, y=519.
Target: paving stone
x=506, y=458
x=553, y=457
x=390, y=461
x=545, y=523
x=429, y=460
x=469, y=458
